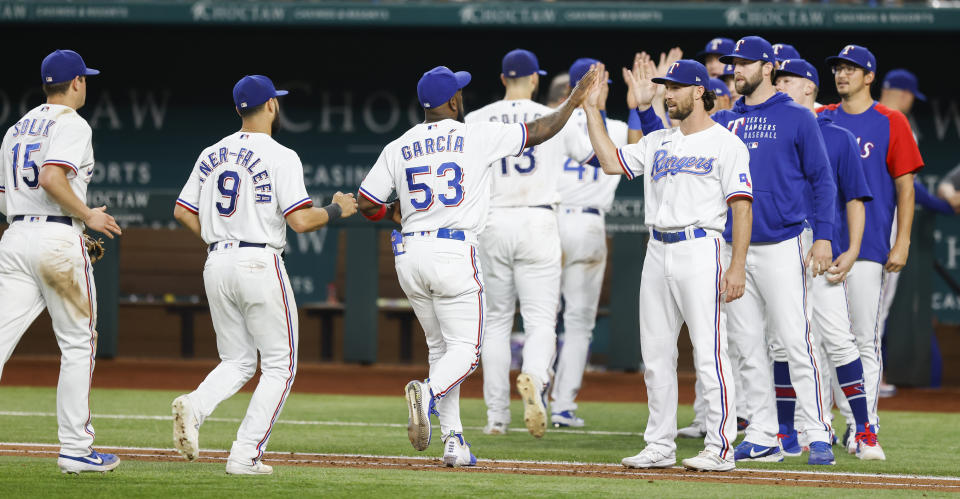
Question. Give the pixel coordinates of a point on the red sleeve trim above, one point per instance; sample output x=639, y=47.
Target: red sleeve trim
x=903, y=155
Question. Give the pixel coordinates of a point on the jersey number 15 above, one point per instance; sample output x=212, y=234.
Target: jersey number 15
x=28, y=164
x=455, y=183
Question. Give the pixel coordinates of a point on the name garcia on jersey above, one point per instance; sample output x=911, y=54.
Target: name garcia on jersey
x=247, y=160
x=442, y=143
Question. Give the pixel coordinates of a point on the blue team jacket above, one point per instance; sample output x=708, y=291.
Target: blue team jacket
x=787, y=156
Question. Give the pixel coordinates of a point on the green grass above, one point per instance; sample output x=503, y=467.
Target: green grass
x=914, y=443
x=31, y=477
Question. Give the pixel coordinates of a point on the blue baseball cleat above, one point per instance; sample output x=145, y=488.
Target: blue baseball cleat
x=748, y=451
x=821, y=453
x=566, y=419
x=789, y=444
x=95, y=461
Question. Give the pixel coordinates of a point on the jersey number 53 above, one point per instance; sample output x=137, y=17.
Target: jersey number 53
x=453, y=196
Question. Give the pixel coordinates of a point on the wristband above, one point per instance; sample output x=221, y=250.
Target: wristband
x=378, y=215
x=633, y=121
x=334, y=211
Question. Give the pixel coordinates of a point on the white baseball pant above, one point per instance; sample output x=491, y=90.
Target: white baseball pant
x=253, y=310
x=583, y=239
x=865, y=294
x=45, y=264
x=443, y=280
x=773, y=311
x=681, y=283
x=520, y=250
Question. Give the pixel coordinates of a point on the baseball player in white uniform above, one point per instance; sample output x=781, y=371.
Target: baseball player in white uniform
x=520, y=249
x=586, y=194
x=692, y=175
x=240, y=195
x=440, y=171
x=46, y=163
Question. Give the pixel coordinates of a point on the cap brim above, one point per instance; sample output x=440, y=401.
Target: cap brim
x=832, y=61
x=728, y=59
x=91, y=72
x=781, y=72
x=281, y=92
x=463, y=78
x=667, y=78
x=919, y=95
x=541, y=72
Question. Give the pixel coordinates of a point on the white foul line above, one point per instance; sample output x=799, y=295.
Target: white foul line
x=280, y=455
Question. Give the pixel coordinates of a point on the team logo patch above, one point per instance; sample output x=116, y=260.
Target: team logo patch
x=744, y=179
x=753, y=145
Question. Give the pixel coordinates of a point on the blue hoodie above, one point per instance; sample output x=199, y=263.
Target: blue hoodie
x=787, y=157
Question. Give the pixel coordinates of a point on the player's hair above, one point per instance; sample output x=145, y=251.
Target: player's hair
x=250, y=111
x=709, y=99
x=57, y=88
x=558, y=88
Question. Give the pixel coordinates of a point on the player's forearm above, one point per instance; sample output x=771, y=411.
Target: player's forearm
x=308, y=219
x=634, y=136
x=945, y=190
x=905, y=204
x=856, y=218
x=742, y=211
x=187, y=219
x=53, y=179
x=545, y=127
x=603, y=147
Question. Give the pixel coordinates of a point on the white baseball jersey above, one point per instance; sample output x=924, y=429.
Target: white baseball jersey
x=242, y=187
x=531, y=178
x=441, y=172
x=50, y=134
x=586, y=185
x=688, y=179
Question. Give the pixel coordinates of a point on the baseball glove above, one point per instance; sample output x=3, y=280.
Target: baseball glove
x=94, y=247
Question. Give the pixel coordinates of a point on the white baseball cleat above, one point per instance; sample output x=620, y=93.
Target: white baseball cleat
x=456, y=451
x=95, y=462
x=708, y=460
x=186, y=428
x=495, y=428
x=534, y=411
x=695, y=430
x=257, y=468
x=868, y=449
x=650, y=458
x=419, y=406
x=850, y=439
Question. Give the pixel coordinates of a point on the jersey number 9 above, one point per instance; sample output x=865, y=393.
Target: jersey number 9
x=454, y=183
x=229, y=185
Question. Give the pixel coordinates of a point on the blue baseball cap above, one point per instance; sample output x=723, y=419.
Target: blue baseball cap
x=439, y=85
x=728, y=70
x=903, y=80
x=801, y=68
x=751, y=48
x=857, y=55
x=783, y=51
x=63, y=65
x=718, y=87
x=253, y=90
x=580, y=68
x=717, y=46
x=686, y=72
x=520, y=62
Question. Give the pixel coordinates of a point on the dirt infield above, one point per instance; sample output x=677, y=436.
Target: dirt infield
x=389, y=380
x=743, y=477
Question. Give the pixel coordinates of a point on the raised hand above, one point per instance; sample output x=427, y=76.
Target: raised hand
x=640, y=81
x=583, y=86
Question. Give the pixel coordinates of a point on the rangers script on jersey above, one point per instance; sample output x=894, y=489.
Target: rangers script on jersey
x=688, y=179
